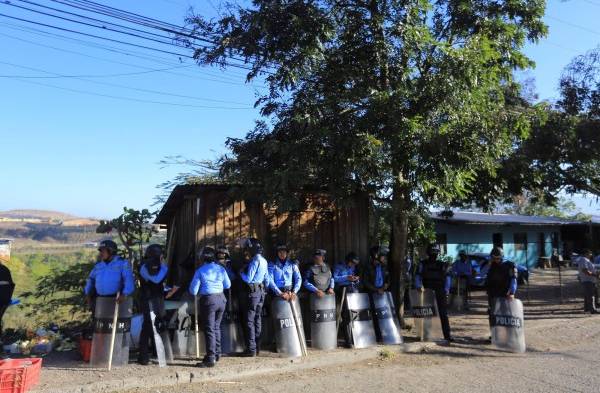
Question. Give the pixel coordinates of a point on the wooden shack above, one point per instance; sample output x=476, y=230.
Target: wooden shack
x=209, y=215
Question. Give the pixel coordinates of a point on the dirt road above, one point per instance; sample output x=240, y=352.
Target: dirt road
x=563, y=351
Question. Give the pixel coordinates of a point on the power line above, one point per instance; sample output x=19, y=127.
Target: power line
x=222, y=78
x=85, y=76
x=128, y=98
x=573, y=25
x=123, y=86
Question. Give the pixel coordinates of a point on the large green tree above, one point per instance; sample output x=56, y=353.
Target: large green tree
x=402, y=98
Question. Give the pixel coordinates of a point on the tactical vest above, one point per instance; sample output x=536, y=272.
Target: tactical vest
x=321, y=276
x=150, y=289
x=498, y=278
x=433, y=274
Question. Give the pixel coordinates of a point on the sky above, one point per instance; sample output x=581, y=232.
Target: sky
x=90, y=143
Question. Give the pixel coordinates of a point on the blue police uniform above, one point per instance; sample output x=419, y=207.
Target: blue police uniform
x=341, y=272
x=284, y=276
x=209, y=282
x=256, y=279
x=462, y=269
x=108, y=278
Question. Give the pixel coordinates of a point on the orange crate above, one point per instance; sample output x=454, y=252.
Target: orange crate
x=19, y=375
x=85, y=349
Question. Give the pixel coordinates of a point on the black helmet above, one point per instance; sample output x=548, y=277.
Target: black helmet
x=433, y=249
x=153, y=251
x=497, y=252
x=253, y=246
x=320, y=252
x=282, y=247
x=222, y=250
x=379, y=251
x=109, y=245
x=208, y=254
x=352, y=257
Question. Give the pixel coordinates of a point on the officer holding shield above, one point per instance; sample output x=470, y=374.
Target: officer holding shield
x=501, y=280
x=110, y=276
x=318, y=278
x=284, y=276
x=462, y=271
x=432, y=274
x=153, y=272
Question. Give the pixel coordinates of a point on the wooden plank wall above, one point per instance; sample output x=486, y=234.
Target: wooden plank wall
x=211, y=218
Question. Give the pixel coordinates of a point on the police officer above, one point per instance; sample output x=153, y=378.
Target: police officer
x=110, y=276
x=153, y=272
x=432, y=274
x=209, y=282
x=376, y=277
x=346, y=274
x=501, y=280
x=256, y=279
x=284, y=276
x=588, y=276
x=318, y=278
x=222, y=255
x=462, y=270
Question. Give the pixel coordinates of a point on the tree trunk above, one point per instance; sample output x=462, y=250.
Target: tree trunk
x=398, y=247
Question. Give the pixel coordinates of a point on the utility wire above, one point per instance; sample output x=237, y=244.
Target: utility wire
x=127, y=98
x=123, y=86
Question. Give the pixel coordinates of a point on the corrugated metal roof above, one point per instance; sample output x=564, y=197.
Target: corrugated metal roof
x=501, y=219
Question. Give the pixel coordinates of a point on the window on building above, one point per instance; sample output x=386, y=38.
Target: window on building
x=497, y=240
x=442, y=240
x=542, y=244
x=520, y=241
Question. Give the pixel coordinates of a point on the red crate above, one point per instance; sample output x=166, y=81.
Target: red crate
x=19, y=375
x=85, y=349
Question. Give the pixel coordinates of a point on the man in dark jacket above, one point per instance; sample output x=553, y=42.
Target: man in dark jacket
x=376, y=277
x=7, y=287
x=432, y=273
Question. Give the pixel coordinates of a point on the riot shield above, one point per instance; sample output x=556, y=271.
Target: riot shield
x=103, y=321
x=287, y=339
x=508, y=326
x=387, y=319
x=459, y=293
x=232, y=338
x=323, y=333
x=184, y=337
x=425, y=313
x=361, y=320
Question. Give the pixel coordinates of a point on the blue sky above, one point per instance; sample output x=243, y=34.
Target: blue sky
x=71, y=150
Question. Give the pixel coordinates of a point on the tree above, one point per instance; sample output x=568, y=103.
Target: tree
x=528, y=205
x=134, y=228
x=404, y=99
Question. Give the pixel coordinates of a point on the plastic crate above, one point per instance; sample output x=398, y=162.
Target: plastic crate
x=19, y=375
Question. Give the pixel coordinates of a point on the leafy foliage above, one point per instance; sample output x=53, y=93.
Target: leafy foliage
x=133, y=228
x=409, y=100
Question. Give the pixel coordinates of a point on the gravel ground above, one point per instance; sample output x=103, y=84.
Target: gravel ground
x=562, y=342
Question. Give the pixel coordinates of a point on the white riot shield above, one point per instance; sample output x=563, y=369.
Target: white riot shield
x=508, y=325
x=361, y=320
x=287, y=339
x=425, y=313
x=103, y=325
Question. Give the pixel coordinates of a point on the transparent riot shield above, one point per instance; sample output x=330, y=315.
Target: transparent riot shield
x=387, y=319
x=508, y=325
x=425, y=313
x=103, y=326
x=361, y=320
x=323, y=324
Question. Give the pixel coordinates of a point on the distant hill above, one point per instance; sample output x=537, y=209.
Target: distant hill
x=37, y=214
